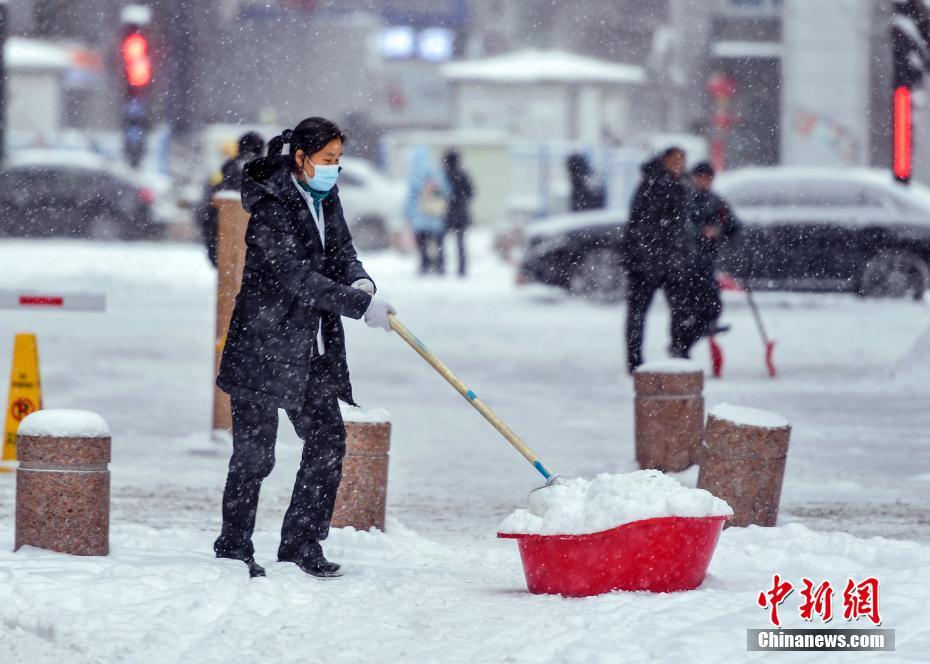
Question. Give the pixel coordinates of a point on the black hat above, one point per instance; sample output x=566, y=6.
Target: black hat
x=703, y=168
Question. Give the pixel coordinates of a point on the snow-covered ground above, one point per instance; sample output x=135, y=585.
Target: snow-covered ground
x=438, y=586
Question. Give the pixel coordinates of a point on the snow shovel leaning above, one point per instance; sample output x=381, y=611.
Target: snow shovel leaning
x=473, y=399
x=728, y=282
x=769, y=343
x=716, y=356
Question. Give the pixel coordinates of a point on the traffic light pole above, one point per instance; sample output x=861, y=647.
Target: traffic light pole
x=138, y=77
x=910, y=50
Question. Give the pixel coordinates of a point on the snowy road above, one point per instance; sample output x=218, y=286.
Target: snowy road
x=854, y=381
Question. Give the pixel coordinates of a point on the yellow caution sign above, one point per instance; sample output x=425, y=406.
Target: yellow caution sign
x=25, y=390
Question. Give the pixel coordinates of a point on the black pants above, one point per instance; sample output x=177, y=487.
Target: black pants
x=432, y=257
x=459, y=235
x=678, y=288
x=707, y=302
x=255, y=426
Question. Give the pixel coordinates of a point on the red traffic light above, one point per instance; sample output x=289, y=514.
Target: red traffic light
x=903, y=139
x=136, y=59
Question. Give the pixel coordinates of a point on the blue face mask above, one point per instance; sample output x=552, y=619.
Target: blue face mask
x=324, y=177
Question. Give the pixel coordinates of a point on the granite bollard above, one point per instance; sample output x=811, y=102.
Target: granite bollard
x=63, y=483
x=743, y=462
x=362, y=496
x=232, y=220
x=668, y=414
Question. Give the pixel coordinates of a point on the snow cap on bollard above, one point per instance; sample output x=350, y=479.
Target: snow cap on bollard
x=64, y=423
x=362, y=495
x=743, y=461
x=746, y=416
x=668, y=414
x=63, y=483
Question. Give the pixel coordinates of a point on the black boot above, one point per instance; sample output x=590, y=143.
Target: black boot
x=255, y=570
x=310, y=559
x=678, y=352
x=715, y=329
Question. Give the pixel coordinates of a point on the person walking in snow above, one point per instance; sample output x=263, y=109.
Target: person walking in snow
x=286, y=347
x=713, y=221
x=228, y=178
x=426, y=208
x=658, y=251
x=588, y=192
x=458, y=215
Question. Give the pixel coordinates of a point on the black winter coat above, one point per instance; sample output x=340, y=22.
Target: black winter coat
x=289, y=286
x=587, y=193
x=458, y=216
x=658, y=237
x=707, y=209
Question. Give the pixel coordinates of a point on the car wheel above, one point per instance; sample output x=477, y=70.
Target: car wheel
x=599, y=276
x=895, y=273
x=370, y=234
x=105, y=225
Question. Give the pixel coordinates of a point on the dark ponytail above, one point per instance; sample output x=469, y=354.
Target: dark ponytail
x=276, y=144
x=311, y=136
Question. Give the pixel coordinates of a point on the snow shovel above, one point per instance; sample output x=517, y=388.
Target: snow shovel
x=473, y=399
x=728, y=282
x=716, y=357
x=769, y=344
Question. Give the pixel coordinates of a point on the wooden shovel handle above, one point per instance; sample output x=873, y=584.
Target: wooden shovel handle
x=469, y=395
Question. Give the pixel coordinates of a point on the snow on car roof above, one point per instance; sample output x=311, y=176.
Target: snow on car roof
x=557, y=225
x=83, y=160
x=856, y=175
x=63, y=158
x=870, y=175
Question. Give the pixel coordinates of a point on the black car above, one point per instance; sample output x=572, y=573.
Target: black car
x=810, y=229
x=579, y=252
x=47, y=193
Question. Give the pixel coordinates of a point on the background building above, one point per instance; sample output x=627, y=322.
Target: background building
x=746, y=76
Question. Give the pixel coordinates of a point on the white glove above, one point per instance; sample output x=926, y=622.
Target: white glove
x=364, y=285
x=377, y=314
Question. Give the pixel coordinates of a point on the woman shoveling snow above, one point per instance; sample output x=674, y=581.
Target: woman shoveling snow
x=286, y=347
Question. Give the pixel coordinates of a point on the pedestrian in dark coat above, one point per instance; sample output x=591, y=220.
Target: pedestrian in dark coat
x=229, y=178
x=713, y=222
x=458, y=214
x=658, y=249
x=286, y=348
x=587, y=192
